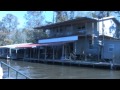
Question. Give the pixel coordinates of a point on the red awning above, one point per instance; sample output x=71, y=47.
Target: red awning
x=42, y=44
x=28, y=46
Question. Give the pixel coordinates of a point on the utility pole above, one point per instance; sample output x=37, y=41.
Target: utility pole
x=100, y=16
x=103, y=36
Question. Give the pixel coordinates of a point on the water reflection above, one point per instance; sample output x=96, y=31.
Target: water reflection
x=45, y=71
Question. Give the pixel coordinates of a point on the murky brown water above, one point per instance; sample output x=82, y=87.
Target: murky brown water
x=46, y=71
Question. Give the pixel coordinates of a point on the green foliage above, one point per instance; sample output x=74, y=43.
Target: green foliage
x=34, y=35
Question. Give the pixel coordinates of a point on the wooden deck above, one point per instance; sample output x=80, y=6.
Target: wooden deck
x=93, y=64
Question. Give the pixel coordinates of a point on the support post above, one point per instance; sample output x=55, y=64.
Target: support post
x=38, y=53
x=86, y=41
x=62, y=52
x=10, y=53
x=30, y=54
x=53, y=54
x=24, y=54
x=45, y=53
x=98, y=42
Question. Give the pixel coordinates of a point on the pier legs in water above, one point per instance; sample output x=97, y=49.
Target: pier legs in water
x=111, y=65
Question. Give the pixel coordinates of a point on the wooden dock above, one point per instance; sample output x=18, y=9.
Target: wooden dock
x=93, y=64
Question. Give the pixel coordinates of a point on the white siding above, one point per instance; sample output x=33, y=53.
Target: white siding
x=109, y=27
x=113, y=54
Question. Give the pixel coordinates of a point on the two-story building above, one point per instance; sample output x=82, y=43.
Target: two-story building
x=80, y=38
x=73, y=38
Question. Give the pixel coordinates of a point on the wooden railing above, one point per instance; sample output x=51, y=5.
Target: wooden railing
x=64, y=35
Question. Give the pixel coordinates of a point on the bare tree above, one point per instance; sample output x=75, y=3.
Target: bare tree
x=96, y=14
x=72, y=14
x=33, y=19
x=61, y=16
x=7, y=26
x=10, y=22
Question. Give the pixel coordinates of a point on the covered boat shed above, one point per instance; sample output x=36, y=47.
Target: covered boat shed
x=14, y=51
x=30, y=51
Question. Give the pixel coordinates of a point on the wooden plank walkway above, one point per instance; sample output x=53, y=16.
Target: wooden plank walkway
x=77, y=63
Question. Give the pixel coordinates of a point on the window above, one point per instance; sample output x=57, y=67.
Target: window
x=81, y=27
x=110, y=47
x=59, y=31
x=90, y=44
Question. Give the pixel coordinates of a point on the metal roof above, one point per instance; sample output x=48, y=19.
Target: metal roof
x=69, y=22
x=77, y=20
x=56, y=43
x=30, y=45
x=15, y=45
x=27, y=46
